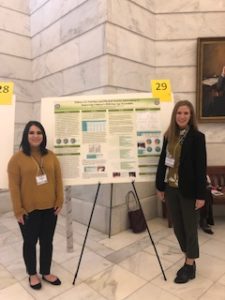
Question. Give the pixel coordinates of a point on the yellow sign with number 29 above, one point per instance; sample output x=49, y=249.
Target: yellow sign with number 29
x=6, y=93
x=161, y=89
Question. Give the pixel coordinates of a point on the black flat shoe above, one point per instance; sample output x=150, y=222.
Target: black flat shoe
x=35, y=286
x=55, y=282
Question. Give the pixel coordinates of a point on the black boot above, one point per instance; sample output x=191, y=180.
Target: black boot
x=180, y=271
x=186, y=273
x=205, y=226
x=207, y=229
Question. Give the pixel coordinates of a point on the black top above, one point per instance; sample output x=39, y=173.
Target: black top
x=192, y=167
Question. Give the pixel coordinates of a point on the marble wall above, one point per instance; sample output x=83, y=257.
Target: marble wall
x=78, y=47
x=130, y=44
x=178, y=25
x=59, y=48
x=55, y=48
x=68, y=46
x=15, y=56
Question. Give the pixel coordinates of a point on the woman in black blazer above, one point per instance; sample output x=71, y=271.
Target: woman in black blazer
x=181, y=180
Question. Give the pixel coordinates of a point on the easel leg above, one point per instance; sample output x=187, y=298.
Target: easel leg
x=110, y=210
x=153, y=244
x=88, y=227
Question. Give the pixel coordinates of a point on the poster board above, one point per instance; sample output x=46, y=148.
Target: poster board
x=106, y=138
x=7, y=117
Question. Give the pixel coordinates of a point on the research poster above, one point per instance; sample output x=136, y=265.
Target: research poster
x=7, y=117
x=104, y=138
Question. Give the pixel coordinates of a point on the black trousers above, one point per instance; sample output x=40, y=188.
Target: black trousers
x=39, y=225
x=185, y=221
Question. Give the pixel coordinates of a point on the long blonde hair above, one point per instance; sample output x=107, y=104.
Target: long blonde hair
x=173, y=130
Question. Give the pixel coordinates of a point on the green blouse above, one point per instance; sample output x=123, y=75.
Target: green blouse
x=174, y=150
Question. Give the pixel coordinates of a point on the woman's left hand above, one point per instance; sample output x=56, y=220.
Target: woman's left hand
x=199, y=203
x=57, y=210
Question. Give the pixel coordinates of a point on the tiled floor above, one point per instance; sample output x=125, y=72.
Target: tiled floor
x=122, y=267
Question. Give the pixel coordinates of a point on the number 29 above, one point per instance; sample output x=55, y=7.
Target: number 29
x=161, y=86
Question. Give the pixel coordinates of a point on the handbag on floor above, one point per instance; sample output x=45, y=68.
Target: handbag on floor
x=135, y=215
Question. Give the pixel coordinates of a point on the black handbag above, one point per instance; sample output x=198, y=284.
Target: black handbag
x=135, y=215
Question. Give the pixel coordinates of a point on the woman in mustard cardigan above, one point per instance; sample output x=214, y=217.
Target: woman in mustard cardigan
x=36, y=190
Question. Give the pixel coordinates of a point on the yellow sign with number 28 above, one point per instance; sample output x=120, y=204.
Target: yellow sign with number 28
x=6, y=93
x=161, y=89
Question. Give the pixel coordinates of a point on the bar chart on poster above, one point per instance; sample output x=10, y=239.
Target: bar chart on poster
x=106, y=138
x=7, y=117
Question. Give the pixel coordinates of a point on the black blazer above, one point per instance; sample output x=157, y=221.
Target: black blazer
x=192, y=167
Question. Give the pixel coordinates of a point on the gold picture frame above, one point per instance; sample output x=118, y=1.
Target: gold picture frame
x=210, y=99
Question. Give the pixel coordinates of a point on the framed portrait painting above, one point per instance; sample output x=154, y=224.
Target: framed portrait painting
x=210, y=97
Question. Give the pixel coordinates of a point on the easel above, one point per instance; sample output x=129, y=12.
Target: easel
x=89, y=223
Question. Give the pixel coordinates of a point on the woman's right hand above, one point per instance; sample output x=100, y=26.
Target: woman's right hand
x=161, y=195
x=20, y=219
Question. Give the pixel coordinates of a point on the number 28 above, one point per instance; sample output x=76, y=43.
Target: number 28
x=4, y=89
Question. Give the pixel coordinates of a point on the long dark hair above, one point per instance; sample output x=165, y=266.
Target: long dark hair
x=173, y=129
x=25, y=146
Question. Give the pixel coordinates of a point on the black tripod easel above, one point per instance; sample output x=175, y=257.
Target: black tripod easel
x=88, y=227
x=89, y=223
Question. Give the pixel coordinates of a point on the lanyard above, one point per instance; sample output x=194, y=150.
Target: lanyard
x=39, y=165
x=180, y=141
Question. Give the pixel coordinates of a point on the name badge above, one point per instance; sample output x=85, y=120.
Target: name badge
x=41, y=179
x=169, y=162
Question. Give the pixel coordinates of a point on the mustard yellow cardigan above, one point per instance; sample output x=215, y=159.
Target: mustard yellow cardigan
x=26, y=195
